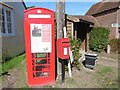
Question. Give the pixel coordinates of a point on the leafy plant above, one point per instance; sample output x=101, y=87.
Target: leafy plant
x=75, y=46
x=98, y=39
x=115, y=45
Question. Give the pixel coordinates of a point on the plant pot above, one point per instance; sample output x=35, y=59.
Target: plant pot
x=90, y=60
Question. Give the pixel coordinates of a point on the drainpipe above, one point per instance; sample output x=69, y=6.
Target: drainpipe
x=118, y=21
x=117, y=28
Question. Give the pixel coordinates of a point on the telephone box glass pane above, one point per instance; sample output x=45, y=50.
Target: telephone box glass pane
x=39, y=55
x=42, y=74
x=41, y=61
x=41, y=64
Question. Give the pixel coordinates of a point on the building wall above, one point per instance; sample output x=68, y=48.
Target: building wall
x=69, y=28
x=118, y=16
x=106, y=19
x=14, y=45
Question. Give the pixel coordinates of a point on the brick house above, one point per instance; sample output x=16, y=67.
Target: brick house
x=107, y=15
x=101, y=14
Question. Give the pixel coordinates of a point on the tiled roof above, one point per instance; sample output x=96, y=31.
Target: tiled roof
x=102, y=6
x=86, y=18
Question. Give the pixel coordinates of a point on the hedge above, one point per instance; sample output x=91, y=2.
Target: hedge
x=98, y=39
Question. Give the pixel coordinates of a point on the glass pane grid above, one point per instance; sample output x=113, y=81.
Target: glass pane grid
x=6, y=21
x=41, y=67
x=2, y=22
x=9, y=28
x=9, y=21
x=3, y=27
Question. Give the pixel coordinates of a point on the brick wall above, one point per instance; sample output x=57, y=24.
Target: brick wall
x=119, y=22
x=106, y=19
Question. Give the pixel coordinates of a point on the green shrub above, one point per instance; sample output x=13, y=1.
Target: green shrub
x=98, y=39
x=115, y=45
x=75, y=47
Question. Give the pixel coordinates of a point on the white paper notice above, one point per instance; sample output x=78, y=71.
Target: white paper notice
x=65, y=51
x=40, y=38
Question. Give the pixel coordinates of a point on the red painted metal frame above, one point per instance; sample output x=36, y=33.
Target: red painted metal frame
x=61, y=44
x=35, y=81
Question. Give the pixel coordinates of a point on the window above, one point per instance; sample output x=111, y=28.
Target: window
x=6, y=22
x=8, y=16
x=2, y=21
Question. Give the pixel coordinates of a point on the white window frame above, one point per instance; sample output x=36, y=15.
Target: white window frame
x=6, y=34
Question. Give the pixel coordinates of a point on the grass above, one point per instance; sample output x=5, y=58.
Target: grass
x=11, y=63
x=17, y=64
x=104, y=70
x=22, y=79
x=107, y=77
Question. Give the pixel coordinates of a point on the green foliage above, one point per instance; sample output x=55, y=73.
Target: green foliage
x=75, y=46
x=98, y=39
x=115, y=45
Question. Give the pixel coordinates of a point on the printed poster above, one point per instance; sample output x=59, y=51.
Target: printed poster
x=40, y=38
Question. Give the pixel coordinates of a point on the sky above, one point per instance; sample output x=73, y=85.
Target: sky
x=71, y=8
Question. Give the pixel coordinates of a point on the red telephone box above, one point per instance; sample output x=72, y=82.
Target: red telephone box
x=40, y=46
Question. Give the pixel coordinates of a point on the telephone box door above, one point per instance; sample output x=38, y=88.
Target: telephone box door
x=40, y=46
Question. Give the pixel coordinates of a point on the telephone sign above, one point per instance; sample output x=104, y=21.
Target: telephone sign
x=40, y=46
